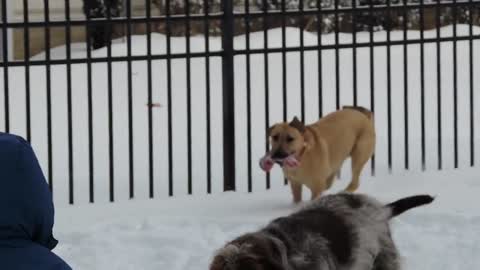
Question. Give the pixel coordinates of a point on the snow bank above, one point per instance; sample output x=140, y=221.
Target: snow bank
x=198, y=107
x=183, y=233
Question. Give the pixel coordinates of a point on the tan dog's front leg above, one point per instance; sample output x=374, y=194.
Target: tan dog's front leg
x=316, y=194
x=330, y=180
x=296, y=191
x=317, y=190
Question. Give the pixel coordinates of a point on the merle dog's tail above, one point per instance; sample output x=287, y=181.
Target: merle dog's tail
x=405, y=204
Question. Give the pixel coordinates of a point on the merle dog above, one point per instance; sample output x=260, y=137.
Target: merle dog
x=342, y=231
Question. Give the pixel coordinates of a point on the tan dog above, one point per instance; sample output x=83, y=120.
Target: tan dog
x=312, y=155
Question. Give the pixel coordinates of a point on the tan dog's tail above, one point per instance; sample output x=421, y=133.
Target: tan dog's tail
x=363, y=110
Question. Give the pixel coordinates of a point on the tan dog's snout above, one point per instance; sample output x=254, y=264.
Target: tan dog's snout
x=286, y=139
x=280, y=142
x=284, y=144
x=280, y=154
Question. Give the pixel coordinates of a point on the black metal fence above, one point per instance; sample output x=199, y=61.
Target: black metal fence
x=373, y=16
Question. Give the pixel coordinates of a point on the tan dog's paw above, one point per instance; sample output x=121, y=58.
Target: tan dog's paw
x=352, y=188
x=297, y=196
x=316, y=195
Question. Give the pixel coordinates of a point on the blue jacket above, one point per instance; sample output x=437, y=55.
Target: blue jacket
x=26, y=210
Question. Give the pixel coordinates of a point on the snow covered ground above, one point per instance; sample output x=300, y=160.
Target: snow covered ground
x=198, y=107
x=183, y=233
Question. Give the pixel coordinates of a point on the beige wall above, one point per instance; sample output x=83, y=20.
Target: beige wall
x=57, y=9
x=36, y=13
x=9, y=36
x=57, y=34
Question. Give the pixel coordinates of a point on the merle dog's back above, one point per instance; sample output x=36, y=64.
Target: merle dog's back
x=346, y=228
x=313, y=231
x=336, y=232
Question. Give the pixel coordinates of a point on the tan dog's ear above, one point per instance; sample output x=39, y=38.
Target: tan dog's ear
x=296, y=123
x=270, y=129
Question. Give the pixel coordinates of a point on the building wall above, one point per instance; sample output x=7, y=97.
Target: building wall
x=9, y=37
x=57, y=34
x=57, y=9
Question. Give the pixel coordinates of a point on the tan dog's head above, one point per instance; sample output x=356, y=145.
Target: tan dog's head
x=250, y=252
x=286, y=139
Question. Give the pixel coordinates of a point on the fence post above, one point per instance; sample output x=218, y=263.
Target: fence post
x=228, y=97
x=6, y=39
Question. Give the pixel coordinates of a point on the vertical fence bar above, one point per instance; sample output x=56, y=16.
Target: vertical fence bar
x=249, y=97
x=372, y=71
x=302, y=62
x=284, y=68
x=206, y=23
x=5, y=66
x=169, y=98
x=455, y=86
x=26, y=52
x=189, y=96
x=267, y=88
x=284, y=56
x=319, y=60
x=69, y=101
x=337, y=63
x=354, y=50
x=405, y=82
x=131, y=179
x=111, y=153
x=148, y=12
x=49, y=92
x=422, y=82
x=439, y=84
x=91, y=184
x=472, y=97
x=228, y=97
x=284, y=62
x=389, y=85
x=337, y=56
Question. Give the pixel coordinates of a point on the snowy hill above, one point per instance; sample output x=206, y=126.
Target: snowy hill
x=183, y=233
x=198, y=108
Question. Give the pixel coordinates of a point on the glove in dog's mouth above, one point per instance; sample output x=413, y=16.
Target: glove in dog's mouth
x=279, y=161
x=267, y=162
x=288, y=161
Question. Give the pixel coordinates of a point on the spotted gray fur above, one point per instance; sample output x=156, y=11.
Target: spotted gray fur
x=336, y=232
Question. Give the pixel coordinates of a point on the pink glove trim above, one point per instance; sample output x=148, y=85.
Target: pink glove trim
x=266, y=163
x=291, y=162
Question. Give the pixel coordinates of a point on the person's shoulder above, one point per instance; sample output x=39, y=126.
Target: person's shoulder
x=61, y=266
x=57, y=263
x=11, y=139
x=30, y=256
x=12, y=147
x=53, y=262
x=10, y=144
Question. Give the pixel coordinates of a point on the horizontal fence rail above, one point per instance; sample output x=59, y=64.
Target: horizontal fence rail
x=178, y=100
